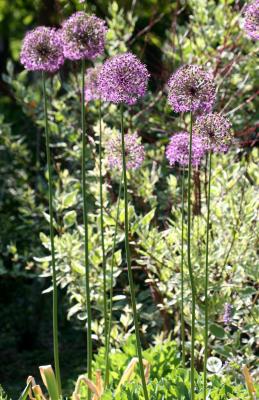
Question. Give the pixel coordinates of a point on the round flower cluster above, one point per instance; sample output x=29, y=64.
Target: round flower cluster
x=251, y=20
x=191, y=88
x=178, y=149
x=123, y=79
x=215, y=131
x=83, y=36
x=134, y=152
x=42, y=50
x=91, y=84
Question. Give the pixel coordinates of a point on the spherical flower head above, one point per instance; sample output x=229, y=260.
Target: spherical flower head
x=251, y=20
x=177, y=152
x=191, y=88
x=123, y=79
x=42, y=50
x=83, y=36
x=134, y=152
x=215, y=131
x=92, y=91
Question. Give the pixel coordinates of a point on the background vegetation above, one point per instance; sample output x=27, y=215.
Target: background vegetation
x=164, y=34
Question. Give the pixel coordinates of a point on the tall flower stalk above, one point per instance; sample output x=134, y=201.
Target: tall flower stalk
x=191, y=89
x=83, y=37
x=134, y=154
x=52, y=244
x=102, y=233
x=206, y=327
x=42, y=51
x=189, y=261
x=185, y=150
x=123, y=79
x=217, y=135
x=107, y=353
x=85, y=218
x=182, y=273
x=128, y=259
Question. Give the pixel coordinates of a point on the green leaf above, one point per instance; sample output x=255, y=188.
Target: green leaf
x=182, y=389
x=69, y=199
x=144, y=223
x=248, y=291
x=69, y=218
x=49, y=380
x=25, y=392
x=217, y=331
x=47, y=218
x=10, y=67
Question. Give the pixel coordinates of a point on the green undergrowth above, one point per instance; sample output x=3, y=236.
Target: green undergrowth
x=168, y=379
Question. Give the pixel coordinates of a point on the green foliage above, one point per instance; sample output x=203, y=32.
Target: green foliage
x=17, y=193
x=168, y=380
x=3, y=395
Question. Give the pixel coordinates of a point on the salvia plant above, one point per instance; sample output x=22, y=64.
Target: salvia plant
x=122, y=80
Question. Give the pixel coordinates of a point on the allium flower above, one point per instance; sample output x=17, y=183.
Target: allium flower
x=227, y=313
x=91, y=84
x=251, y=20
x=191, y=88
x=83, y=36
x=123, y=79
x=215, y=130
x=42, y=50
x=134, y=152
x=178, y=149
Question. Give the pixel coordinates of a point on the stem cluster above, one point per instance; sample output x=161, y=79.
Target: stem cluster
x=128, y=259
x=85, y=217
x=52, y=244
x=189, y=261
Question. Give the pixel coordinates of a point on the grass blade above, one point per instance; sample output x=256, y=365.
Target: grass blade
x=25, y=392
x=49, y=380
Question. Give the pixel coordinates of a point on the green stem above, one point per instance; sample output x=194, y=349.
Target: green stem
x=85, y=216
x=102, y=233
x=206, y=328
x=182, y=276
x=128, y=258
x=107, y=359
x=54, y=275
x=190, y=263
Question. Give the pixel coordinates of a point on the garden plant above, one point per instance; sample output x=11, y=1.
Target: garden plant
x=142, y=205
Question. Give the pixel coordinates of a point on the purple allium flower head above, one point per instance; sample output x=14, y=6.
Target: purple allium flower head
x=42, y=50
x=83, y=36
x=251, y=20
x=178, y=149
x=227, y=313
x=91, y=84
x=215, y=130
x=134, y=152
x=123, y=79
x=191, y=88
